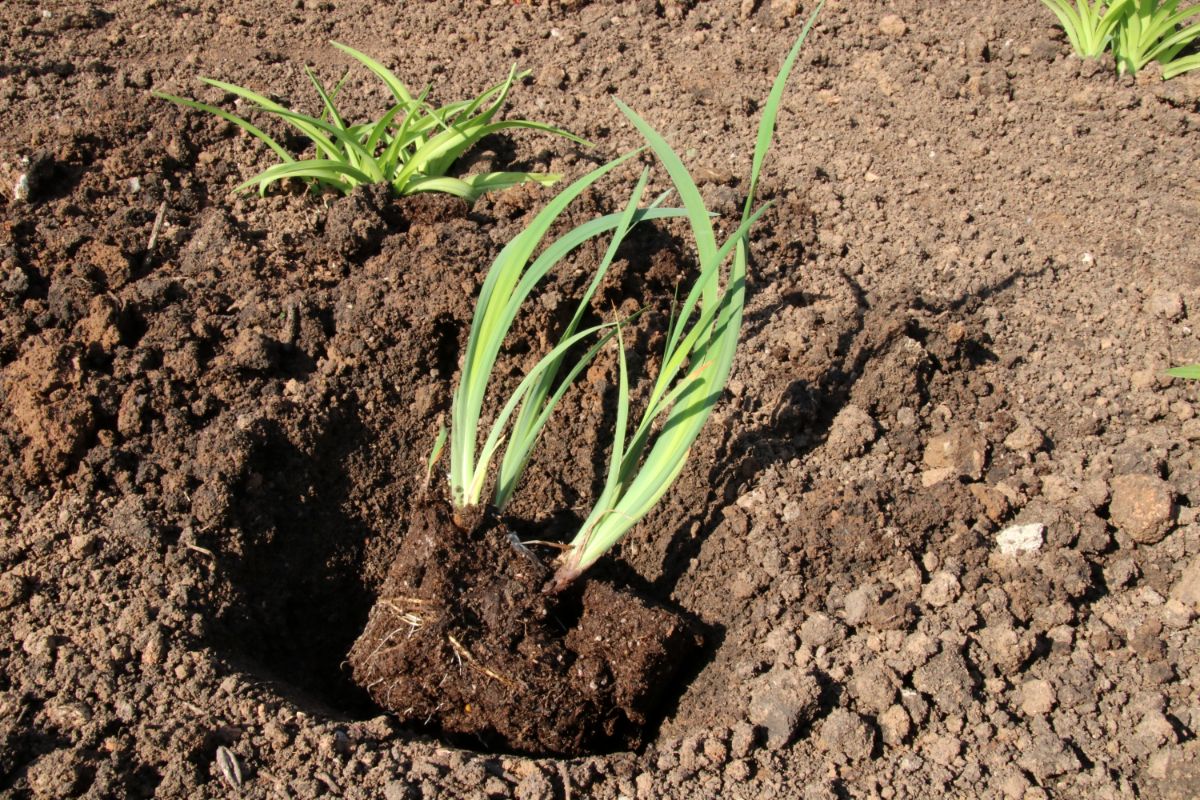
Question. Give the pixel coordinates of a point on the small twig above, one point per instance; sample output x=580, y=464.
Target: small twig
x=544, y=543
x=199, y=549
x=157, y=229
x=465, y=655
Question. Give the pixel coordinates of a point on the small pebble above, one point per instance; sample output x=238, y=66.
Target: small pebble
x=1020, y=539
x=892, y=25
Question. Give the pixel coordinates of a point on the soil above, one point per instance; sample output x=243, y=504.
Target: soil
x=565, y=673
x=938, y=536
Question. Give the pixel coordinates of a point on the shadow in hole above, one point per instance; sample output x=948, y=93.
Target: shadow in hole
x=26, y=745
x=971, y=301
x=298, y=599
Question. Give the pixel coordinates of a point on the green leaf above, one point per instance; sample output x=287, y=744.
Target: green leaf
x=1181, y=65
x=1191, y=372
x=709, y=345
x=488, y=329
x=236, y=120
x=309, y=126
x=335, y=173
x=436, y=155
x=438, y=445
x=536, y=409
x=399, y=91
x=417, y=143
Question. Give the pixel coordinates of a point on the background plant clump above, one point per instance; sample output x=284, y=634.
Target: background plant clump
x=1138, y=32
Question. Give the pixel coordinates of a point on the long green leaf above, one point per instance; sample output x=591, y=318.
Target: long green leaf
x=434, y=157
x=236, y=120
x=398, y=89
x=325, y=170
x=1181, y=65
x=710, y=344
x=487, y=332
x=531, y=378
x=1191, y=371
x=308, y=125
x=535, y=410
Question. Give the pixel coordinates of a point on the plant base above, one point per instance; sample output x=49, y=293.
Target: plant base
x=464, y=641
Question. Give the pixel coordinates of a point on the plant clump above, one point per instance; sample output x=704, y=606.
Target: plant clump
x=411, y=148
x=1138, y=31
x=472, y=634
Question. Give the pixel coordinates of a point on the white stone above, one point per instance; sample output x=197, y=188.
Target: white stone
x=21, y=187
x=1021, y=538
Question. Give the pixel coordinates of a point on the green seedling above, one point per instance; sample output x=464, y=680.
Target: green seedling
x=1139, y=31
x=700, y=345
x=1190, y=371
x=701, y=341
x=509, y=280
x=1151, y=31
x=1090, y=26
x=411, y=147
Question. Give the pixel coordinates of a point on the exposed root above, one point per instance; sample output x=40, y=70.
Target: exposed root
x=563, y=578
x=465, y=655
x=412, y=622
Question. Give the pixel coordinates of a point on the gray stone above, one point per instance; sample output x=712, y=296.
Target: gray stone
x=1166, y=304
x=943, y=588
x=1037, y=697
x=874, y=687
x=781, y=702
x=847, y=736
x=962, y=451
x=946, y=679
x=892, y=25
x=1187, y=589
x=403, y=790
x=1048, y=757
x=821, y=629
x=1027, y=439
x=1020, y=539
x=895, y=725
x=851, y=432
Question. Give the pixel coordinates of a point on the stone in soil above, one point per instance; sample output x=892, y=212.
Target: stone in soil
x=960, y=452
x=1142, y=506
x=1020, y=539
x=782, y=702
x=1187, y=589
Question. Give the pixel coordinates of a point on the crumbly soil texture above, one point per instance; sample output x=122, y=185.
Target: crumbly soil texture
x=464, y=639
x=937, y=539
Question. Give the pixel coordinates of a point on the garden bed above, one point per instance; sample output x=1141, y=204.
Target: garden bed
x=217, y=408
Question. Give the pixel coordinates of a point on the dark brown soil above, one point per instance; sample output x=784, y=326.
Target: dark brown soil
x=464, y=640
x=979, y=262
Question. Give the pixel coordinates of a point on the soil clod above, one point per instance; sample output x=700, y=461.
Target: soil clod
x=463, y=640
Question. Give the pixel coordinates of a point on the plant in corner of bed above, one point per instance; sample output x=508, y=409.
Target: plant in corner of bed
x=472, y=635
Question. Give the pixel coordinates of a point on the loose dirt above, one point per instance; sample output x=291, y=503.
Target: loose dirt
x=938, y=537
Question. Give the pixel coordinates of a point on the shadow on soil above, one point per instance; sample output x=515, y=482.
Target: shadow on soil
x=298, y=596
x=801, y=419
